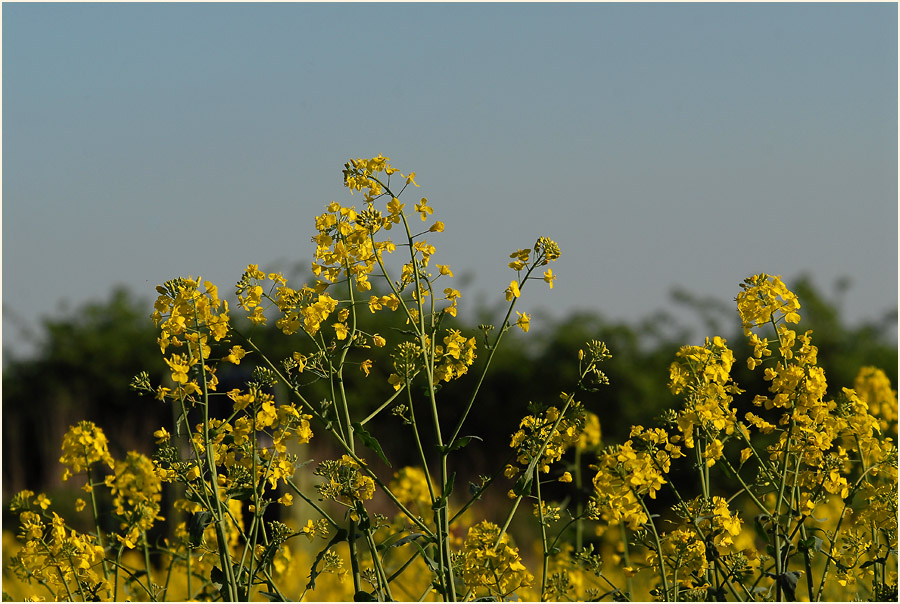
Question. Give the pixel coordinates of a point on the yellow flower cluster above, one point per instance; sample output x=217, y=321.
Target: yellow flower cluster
x=136, y=490
x=83, y=445
x=763, y=296
x=490, y=566
x=306, y=308
x=455, y=356
x=874, y=387
x=545, y=251
x=534, y=430
x=824, y=434
x=627, y=472
x=703, y=375
x=860, y=434
x=66, y=561
x=361, y=174
x=345, y=482
x=183, y=310
x=63, y=560
x=344, y=244
x=715, y=519
x=233, y=447
x=685, y=553
x=185, y=315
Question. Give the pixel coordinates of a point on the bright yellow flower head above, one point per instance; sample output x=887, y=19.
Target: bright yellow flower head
x=83, y=445
x=497, y=571
x=873, y=386
x=512, y=291
x=524, y=321
x=549, y=277
x=235, y=355
x=423, y=209
x=761, y=297
x=366, y=366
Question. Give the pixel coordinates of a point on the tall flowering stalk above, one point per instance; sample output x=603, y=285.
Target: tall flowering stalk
x=351, y=249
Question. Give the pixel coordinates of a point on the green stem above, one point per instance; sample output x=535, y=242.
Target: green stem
x=312, y=503
x=659, y=553
x=629, y=580
x=405, y=565
x=483, y=488
x=428, y=352
x=354, y=562
x=780, y=561
x=424, y=461
x=340, y=369
x=379, y=567
x=172, y=560
x=579, y=506
x=381, y=408
x=147, y=565
x=131, y=574
x=99, y=534
x=544, y=550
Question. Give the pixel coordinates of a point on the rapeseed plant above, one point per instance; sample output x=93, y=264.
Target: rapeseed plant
x=815, y=516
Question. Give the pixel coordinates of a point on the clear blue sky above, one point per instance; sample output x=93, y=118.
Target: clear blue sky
x=659, y=144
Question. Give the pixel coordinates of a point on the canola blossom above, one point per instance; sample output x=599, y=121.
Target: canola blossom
x=786, y=495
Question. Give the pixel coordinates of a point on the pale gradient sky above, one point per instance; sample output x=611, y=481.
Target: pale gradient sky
x=659, y=144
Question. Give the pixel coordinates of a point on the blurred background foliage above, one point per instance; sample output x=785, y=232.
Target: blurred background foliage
x=87, y=358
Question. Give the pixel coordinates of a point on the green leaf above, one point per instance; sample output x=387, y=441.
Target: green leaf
x=370, y=441
x=364, y=596
x=399, y=542
x=273, y=597
x=218, y=577
x=523, y=484
x=241, y=493
x=428, y=559
x=812, y=543
x=461, y=442
x=788, y=583
x=760, y=528
x=198, y=524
